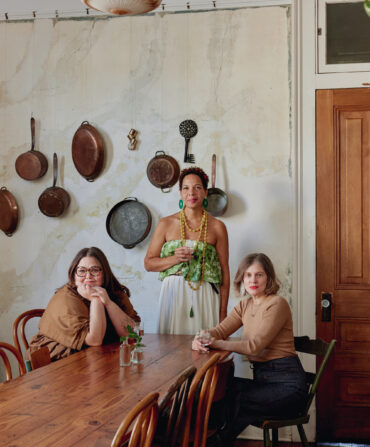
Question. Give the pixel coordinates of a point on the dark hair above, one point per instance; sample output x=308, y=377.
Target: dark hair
x=272, y=285
x=111, y=283
x=195, y=171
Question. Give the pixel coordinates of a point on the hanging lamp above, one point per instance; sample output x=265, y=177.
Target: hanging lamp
x=123, y=7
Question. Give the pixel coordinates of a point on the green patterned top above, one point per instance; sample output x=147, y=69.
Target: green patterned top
x=212, y=267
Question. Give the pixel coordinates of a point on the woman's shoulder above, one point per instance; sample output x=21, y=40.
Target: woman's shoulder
x=280, y=302
x=172, y=218
x=64, y=296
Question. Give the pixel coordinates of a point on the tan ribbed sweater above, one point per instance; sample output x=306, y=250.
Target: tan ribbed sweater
x=267, y=329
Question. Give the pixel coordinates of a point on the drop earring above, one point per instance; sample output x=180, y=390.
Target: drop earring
x=205, y=203
x=181, y=204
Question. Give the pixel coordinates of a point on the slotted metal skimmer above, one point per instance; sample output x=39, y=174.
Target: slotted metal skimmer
x=188, y=129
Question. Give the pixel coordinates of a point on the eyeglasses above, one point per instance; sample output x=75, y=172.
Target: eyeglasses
x=82, y=271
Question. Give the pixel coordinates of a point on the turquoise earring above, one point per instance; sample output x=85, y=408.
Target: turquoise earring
x=205, y=203
x=181, y=204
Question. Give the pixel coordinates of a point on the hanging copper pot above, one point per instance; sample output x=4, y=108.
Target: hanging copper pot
x=88, y=151
x=54, y=200
x=8, y=212
x=123, y=7
x=163, y=171
x=32, y=164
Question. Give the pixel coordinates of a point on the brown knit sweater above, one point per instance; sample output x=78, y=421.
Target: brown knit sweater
x=267, y=329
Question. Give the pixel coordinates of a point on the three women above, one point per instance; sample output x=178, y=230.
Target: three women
x=190, y=250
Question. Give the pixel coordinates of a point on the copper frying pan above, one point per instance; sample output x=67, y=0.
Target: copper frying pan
x=8, y=212
x=32, y=164
x=54, y=200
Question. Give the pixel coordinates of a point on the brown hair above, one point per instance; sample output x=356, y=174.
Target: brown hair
x=111, y=283
x=272, y=285
x=195, y=171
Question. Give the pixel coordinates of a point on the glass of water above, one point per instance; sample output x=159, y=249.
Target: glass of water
x=205, y=338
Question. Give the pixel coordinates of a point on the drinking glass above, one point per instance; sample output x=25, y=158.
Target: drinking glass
x=190, y=244
x=205, y=338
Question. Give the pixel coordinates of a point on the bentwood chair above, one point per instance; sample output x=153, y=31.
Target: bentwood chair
x=204, y=383
x=4, y=348
x=172, y=410
x=144, y=417
x=21, y=321
x=316, y=347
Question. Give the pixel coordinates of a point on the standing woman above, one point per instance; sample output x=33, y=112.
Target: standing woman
x=190, y=249
x=92, y=309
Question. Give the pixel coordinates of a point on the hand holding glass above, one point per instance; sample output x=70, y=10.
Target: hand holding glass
x=204, y=338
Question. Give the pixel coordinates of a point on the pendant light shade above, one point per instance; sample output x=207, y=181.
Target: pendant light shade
x=123, y=7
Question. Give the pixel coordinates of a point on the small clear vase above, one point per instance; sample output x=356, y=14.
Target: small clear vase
x=137, y=355
x=124, y=354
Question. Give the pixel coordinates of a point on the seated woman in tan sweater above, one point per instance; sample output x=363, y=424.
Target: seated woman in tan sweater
x=93, y=308
x=279, y=384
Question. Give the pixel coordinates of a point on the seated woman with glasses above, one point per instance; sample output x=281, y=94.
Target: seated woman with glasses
x=92, y=309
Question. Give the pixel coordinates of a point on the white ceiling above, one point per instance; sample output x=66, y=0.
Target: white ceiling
x=28, y=9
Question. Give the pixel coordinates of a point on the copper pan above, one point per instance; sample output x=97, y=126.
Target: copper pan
x=217, y=199
x=32, y=164
x=8, y=212
x=54, y=200
x=163, y=171
x=88, y=151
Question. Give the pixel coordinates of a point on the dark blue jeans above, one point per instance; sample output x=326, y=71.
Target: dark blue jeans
x=278, y=388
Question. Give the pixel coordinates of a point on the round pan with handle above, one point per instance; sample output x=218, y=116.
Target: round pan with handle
x=54, y=200
x=32, y=164
x=217, y=199
x=8, y=212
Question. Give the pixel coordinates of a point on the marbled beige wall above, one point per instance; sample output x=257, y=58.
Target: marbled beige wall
x=227, y=70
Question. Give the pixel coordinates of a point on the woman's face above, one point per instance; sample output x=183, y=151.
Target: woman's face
x=192, y=191
x=255, y=280
x=89, y=272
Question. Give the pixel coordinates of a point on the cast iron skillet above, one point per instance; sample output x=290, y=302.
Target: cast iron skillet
x=129, y=222
x=163, y=171
x=217, y=199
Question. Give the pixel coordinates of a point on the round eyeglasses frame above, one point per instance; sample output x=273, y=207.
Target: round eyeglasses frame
x=94, y=271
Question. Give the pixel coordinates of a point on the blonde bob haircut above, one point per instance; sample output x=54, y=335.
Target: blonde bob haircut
x=272, y=285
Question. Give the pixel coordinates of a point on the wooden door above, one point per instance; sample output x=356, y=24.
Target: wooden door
x=343, y=261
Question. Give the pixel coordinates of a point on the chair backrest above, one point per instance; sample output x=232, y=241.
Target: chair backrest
x=172, y=409
x=4, y=347
x=22, y=320
x=144, y=416
x=40, y=357
x=319, y=348
x=205, y=378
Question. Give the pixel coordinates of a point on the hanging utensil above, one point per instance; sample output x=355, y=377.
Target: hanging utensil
x=54, y=200
x=129, y=222
x=32, y=164
x=217, y=199
x=163, y=171
x=88, y=151
x=188, y=129
x=8, y=212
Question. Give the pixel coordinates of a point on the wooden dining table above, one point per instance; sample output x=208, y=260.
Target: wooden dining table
x=82, y=399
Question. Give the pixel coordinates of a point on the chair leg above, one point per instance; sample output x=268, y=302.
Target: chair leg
x=302, y=434
x=275, y=437
x=266, y=438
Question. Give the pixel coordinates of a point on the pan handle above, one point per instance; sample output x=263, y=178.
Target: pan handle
x=164, y=190
x=33, y=133
x=158, y=152
x=213, y=170
x=55, y=169
x=130, y=198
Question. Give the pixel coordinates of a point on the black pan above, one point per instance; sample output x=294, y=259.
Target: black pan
x=129, y=222
x=217, y=199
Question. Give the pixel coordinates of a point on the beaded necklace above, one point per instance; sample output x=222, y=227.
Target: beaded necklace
x=203, y=224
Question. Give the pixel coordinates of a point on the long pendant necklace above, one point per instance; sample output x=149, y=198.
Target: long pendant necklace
x=203, y=224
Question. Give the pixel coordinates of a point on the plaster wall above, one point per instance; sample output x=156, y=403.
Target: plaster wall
x=230, y=71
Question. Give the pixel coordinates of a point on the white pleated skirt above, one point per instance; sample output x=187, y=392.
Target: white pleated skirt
x=176, y=301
